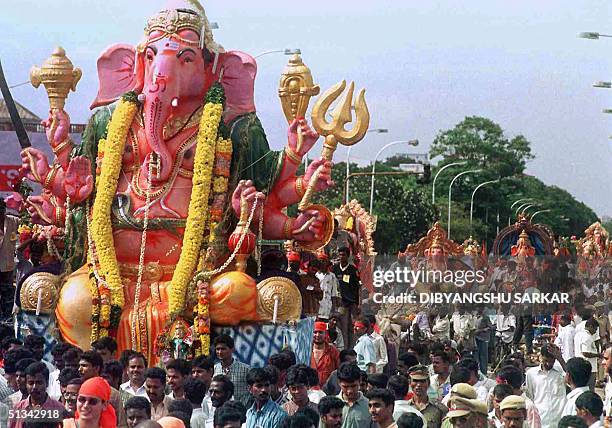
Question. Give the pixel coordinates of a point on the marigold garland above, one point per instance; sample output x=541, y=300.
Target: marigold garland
x=198, y=214
x=110, y=290
x=101, y=227
x=201, y=322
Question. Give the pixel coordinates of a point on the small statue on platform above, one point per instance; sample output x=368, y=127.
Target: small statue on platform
x=181, y=341
x=523, y=248
x=595, y=243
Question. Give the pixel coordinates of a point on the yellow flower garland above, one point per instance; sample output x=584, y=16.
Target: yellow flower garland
x=201, y=322
x=101, y=228
x=110, y=292
x=198, y=215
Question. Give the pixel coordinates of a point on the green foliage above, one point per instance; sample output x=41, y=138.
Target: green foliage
x=483, y=144
x=403, y=204
x=404, y=211
x=607, y=223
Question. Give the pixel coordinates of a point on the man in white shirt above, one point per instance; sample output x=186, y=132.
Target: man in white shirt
x=441, y=327
x=195, y=390
x=606, y=362
x=585, y=347
x=379, y=345
x=221, y=390
x=366, y=353
x=577, y=373
x=505, y=326
x=202, y=368
x=590, y=408
x=440, y=381
x=545, y=385
x=137, y=364
x=463, y=326
x=565, y=337
x=329, y=285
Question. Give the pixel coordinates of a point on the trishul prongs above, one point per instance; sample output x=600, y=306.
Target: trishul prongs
x=334, y=131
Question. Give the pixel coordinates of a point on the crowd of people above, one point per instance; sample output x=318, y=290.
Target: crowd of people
x=434, y=366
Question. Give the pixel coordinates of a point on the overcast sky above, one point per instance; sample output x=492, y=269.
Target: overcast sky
x=425, y=64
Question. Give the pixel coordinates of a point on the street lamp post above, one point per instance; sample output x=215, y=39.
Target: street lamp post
x=450, y=190
x=527, y=207
x=386, y=146
x=283, y=51
x=348, y=160
x=539, y=212
x=592, y=35
x=520, y=200
x=516, y=202
x=433, y=189
x=520, y=207
x=472, y=200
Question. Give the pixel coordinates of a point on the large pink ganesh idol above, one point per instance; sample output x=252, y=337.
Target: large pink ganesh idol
x=168, y=76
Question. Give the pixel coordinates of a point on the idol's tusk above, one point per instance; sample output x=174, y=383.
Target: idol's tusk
x=300, y=140
x=305, y=226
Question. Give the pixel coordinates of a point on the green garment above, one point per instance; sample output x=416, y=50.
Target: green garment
x=357, y=415
x=252, y=159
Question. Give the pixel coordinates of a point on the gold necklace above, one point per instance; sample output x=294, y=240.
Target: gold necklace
x=163, y=189
x=176, y=125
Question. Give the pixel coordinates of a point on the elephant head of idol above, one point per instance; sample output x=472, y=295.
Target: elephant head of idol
x=171, y=70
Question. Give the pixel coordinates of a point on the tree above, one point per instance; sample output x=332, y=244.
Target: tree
x=482, y=143
x=404, y=211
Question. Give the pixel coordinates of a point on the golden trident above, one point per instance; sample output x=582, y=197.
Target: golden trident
x=334, y=130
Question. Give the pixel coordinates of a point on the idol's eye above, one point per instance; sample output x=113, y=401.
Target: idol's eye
x=187, y=59
x=150, y=54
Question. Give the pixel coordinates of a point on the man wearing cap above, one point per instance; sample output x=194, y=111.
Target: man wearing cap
x=366, y=353
x=514, y=412
x=433, y=410
x=467, y=413
x=324, y=358
x=459, y=390
x=329, y=286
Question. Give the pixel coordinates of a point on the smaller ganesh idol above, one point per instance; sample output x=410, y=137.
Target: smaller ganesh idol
x=177, y=344
x=523, y=248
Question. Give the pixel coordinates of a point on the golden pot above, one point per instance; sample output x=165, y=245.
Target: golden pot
x=233, y=298
x=73, y=311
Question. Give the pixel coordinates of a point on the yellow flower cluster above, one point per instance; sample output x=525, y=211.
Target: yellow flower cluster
x=101, y=228
x=95, y=308
x=100, y=158
x=201, y=322
x=197, y=216
x=219, y=184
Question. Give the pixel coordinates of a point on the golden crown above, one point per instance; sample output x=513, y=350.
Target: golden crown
x=171, y=22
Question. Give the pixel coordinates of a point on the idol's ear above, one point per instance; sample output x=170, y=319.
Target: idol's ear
x=237, y=71
x=120, y=70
